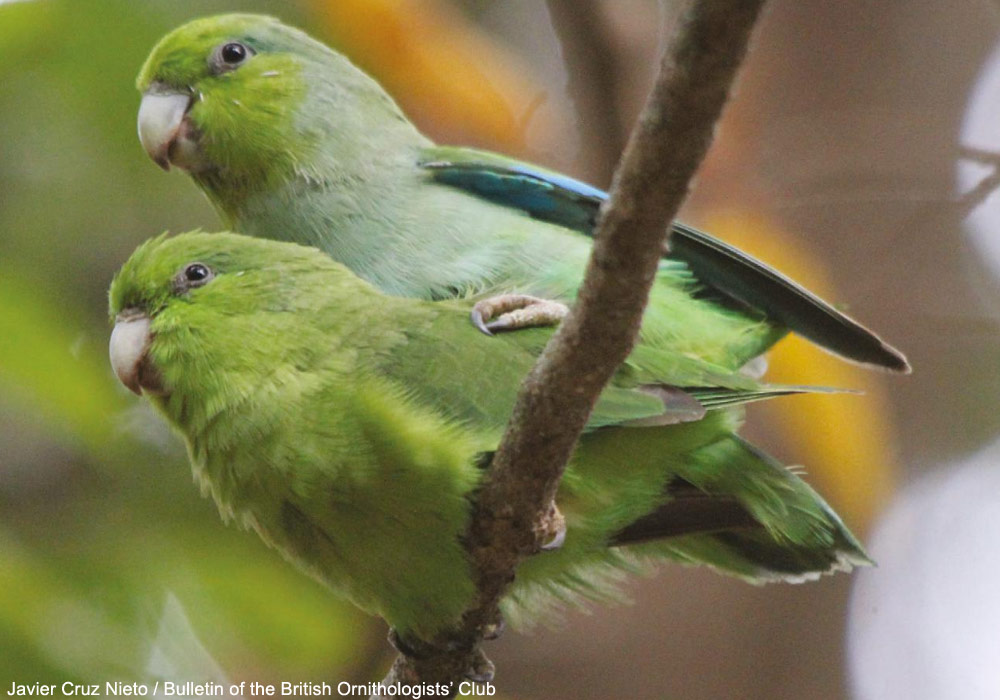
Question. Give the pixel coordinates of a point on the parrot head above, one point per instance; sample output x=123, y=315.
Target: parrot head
x=242, y=101
x=222, y=92
x=183, y=308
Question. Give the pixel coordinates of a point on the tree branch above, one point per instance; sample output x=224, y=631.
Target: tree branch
x=514, y=513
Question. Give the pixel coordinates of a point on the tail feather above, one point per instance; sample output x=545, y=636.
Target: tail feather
x=728, y=506
x=688, y=512
x=792, y=533
x=744, y=279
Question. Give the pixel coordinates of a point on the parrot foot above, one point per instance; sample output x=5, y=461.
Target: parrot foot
x=482, y=669
x=516, y=311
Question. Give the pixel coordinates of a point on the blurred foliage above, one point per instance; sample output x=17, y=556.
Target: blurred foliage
x=453, y=80
x=99, y=520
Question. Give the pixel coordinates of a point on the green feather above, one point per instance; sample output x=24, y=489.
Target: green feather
x=316, y=152
x=349, y=429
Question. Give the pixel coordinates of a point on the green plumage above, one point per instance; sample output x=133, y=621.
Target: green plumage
x=297, y=144
x=348, y=428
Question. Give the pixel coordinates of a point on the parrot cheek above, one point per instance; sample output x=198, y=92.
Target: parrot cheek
x=128, y=348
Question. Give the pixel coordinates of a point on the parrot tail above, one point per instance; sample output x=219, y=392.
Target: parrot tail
x=745, y=514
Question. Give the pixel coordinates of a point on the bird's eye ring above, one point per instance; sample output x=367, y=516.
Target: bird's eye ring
x=230, y=56
x=193, y=275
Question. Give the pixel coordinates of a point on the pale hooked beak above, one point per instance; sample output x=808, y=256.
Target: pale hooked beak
x=163, y=130
x=127, y=349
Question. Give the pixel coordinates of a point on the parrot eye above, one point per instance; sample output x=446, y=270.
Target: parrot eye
x=196, y=272
x=193, y=275
x=231, y=55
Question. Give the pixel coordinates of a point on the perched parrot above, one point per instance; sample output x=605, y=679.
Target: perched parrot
x=291, y=142
x=349, y=428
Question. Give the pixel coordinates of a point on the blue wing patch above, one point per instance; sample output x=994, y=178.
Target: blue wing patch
x=544, y=195
x=720, y=267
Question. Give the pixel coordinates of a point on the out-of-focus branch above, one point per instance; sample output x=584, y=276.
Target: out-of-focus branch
x=514, y=513
x=968, y=201
x=592, y=83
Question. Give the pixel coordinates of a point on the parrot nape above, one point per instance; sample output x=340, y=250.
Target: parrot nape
x=349, y=429
x=292, y=142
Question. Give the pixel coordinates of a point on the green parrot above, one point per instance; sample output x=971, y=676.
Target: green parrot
x=349, y=428
x=291, y=142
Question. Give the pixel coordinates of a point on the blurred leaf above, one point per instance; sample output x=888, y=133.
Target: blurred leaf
x=451, y=78
x=88, y=552
x=49, y=360
x=24, y=29
x=177, y=653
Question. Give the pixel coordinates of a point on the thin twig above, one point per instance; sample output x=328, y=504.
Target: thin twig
x=969, y=201
x=514, y=512
x=979, y=154
x=592, y=83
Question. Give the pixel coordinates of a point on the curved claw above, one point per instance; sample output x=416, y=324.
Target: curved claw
x=476, y=316
x=557, y=530
x=495, y=629
x=557, y=539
